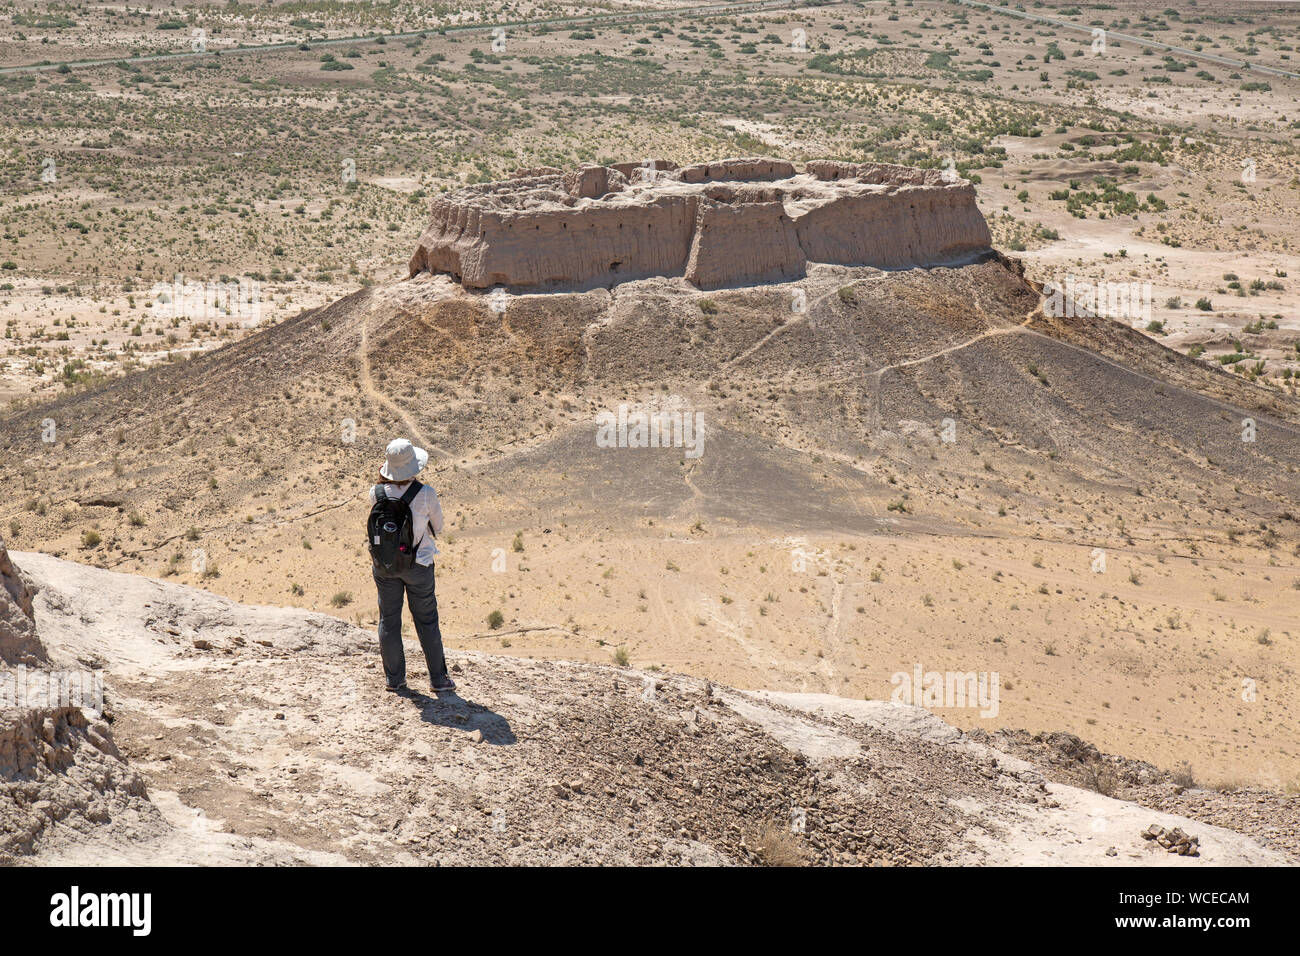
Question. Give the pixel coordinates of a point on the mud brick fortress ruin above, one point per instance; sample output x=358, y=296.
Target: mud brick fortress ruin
x=732, y=222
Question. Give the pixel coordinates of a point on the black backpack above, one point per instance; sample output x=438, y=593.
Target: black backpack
x=389, y=530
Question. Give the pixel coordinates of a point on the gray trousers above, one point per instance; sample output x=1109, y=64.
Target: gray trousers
x=417, y=585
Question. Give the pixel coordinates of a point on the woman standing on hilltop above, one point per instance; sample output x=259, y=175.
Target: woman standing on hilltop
x=405, y=517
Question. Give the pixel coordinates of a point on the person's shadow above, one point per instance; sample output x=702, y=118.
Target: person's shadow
x=449, y=709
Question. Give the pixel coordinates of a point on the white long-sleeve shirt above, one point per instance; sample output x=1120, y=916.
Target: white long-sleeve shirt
x=426, y=513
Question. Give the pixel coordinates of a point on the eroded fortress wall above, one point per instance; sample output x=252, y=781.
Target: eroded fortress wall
x=730, y=222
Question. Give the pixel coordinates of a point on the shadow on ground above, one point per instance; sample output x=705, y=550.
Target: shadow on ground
x=451, y=710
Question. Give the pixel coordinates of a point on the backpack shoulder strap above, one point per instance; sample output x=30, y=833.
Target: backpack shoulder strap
x=409, y=495
x=380, y=496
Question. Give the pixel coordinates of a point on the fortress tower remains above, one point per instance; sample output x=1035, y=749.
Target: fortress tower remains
x=732, y=222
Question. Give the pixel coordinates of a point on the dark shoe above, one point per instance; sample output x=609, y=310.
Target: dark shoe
x=399, y=689
x=443, y=683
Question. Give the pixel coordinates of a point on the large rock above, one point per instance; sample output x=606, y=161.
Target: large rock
x=18, y=643
x=61, y=776
x=731, y=222
x=60, y=770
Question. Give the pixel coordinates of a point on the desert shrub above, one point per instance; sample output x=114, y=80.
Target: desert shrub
x=777, y=846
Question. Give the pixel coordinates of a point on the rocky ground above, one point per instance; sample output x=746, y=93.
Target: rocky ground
x=264, y=735
x=1270, y=816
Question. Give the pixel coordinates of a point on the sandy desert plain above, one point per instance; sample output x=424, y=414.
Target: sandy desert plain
x=1108, y=520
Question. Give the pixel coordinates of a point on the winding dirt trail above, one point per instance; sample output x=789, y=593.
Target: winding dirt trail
x=369, y=388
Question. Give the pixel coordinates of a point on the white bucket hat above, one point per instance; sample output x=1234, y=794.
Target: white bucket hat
x=404, y=460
